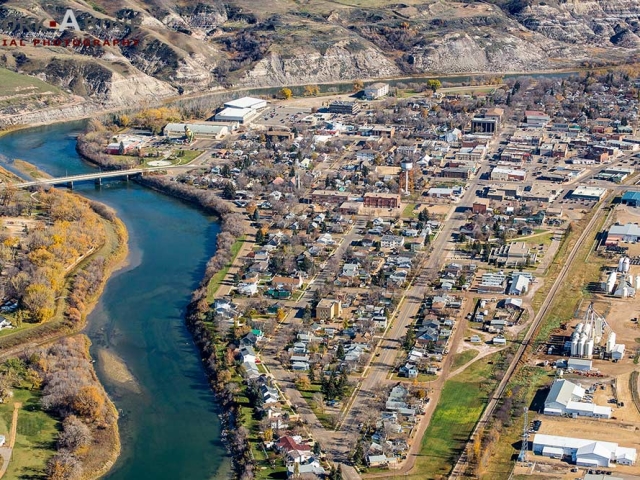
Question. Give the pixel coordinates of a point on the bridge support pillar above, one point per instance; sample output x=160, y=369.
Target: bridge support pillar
x=70, y=185
x=98, y=181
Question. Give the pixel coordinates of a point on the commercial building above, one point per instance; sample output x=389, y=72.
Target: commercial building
x=534, y=118
x=347, y=108
x=585, y=453
x=240, y=115
x=125, y=144
x=588, y=193
x=508, y=174
x=382, y=200
x=566, y=398
x=623, y=233
x=631, y=198
x=376, y=90
x=329, y=196
x=512, y=254
x=488, y=122
x=241, y=110
x=472, y=154
x=481, y=205
x=328, y=309
x=440, y=192
x=199, y=130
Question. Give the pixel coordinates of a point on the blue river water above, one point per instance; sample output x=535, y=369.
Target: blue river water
x=169, y=423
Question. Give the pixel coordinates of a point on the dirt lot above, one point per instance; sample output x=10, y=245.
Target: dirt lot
x=16, y=226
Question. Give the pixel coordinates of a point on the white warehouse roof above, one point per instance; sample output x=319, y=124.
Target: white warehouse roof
x=246, y=102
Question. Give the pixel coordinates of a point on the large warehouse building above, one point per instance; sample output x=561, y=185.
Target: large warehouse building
x=623, y=233
x=588, y=193
x=585, y=453
x=241, y=110
x=565, y=398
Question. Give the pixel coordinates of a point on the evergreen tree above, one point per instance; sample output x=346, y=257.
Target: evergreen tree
x=259, y=236
x=256, y=215
x=229, y=191
x=340, y=351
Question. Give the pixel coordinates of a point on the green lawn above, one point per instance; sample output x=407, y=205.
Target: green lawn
x=408, y=211
x=186, y=157
x=461, y=358
x=462, y=402
x=219, y=277
x=35, y=441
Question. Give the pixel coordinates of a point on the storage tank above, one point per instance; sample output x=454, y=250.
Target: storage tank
x=574, y=345
x=638, y=282
x=587, y=330
x=621, y=264
x=581, y=345
x=589, y=349
x=611, y=282
x=579, y=327
x=627, y=262
x=611, y=341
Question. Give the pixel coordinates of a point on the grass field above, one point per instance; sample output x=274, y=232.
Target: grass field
x=37, y=433
x=462, y=402
x=464, y=357
x=219, y=277
x=187, y=156
x=408, y=211
x=12, y=83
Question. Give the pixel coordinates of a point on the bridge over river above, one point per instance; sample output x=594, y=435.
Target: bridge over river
x=97, y=176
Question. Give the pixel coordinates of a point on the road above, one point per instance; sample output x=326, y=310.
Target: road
x=458, y=469
x=7, y=450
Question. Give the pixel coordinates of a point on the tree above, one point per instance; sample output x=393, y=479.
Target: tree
x=88, y=402
x=285, y=93
x=281, y=314
x=124, y=120
x=434, y=84
x=39, y=300
x=256, y=215
x=267, y=435
x=259, y=236
x=229, y=191
x=316, y=448
x=63, y=466
x=358, y=85
x=311, y=90
x=303, y=382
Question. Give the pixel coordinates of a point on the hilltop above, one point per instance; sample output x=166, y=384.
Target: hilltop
x=191, y=46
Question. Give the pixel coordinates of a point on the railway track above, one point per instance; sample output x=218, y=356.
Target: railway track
x=458, y=470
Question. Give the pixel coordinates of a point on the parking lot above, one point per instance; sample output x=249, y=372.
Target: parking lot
x=279, y=115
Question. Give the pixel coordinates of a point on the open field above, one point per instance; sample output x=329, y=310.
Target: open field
x=35, y=441
x=461, y=404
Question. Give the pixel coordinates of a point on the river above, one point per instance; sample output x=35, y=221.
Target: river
x=169, y=424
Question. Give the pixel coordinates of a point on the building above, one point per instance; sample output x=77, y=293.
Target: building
x=329, y=196
x=623, y=233
x=631, y=198
x=481, y=205
x=488, y=122
x=287, y=283
x=199, y=130
x=376, y=90
x=240, y=115
x=519, y=284
x=328, y=309
x=382, y=200
x=472, y=154
x=588, y=193
x=566, y=398
x=440, y=192
x=508, y=174
x=512, y=254
x=534, y=118
x=347, y=108
x=391, y=241
x=585, y=453
x=125, y=144
x=247, y=102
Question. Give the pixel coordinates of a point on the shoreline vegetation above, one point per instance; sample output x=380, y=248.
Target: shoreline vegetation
x=51, y=359
x=197, y=317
